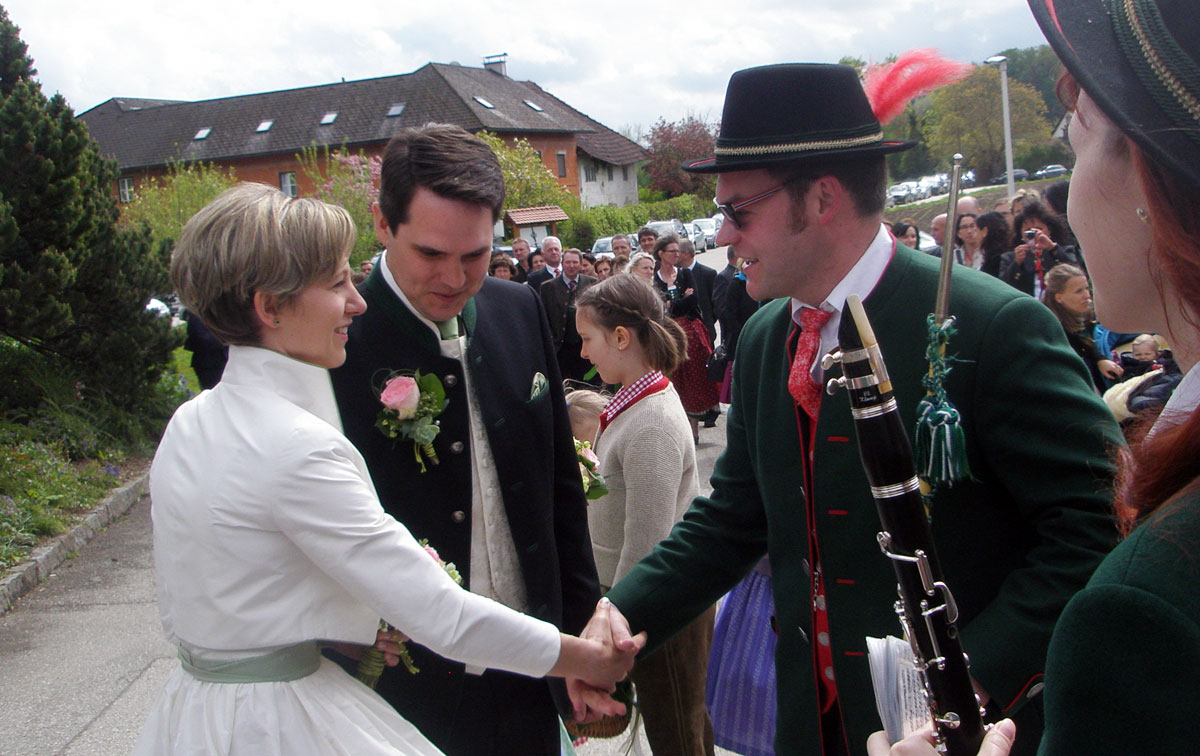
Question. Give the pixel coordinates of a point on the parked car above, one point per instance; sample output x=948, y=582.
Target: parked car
x=709, y=227
x=965, y=181
x=899, y=194
x=1050, y=171
x=602, y=247
x=1019, y=174
x=673, y=226
x=936, y=184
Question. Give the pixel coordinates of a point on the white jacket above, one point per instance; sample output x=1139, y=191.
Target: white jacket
x=267, y=531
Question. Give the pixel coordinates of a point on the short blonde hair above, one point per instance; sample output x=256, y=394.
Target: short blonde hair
x=584, y=404
x=255, y=238
x=1145, y=338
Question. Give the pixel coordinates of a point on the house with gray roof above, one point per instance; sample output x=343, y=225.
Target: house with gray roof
x=260, y=135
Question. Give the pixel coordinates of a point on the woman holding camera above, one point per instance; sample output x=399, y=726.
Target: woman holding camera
x=1036, y=250
x=1123, y=663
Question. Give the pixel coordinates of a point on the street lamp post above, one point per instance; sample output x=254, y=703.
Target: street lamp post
x=1000, y=60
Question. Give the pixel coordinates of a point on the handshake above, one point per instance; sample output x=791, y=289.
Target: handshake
x=596, y=661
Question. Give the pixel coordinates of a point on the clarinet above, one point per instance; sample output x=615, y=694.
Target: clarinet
x=926, y=608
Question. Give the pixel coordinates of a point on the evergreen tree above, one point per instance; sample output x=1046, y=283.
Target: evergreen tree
x=71, y=284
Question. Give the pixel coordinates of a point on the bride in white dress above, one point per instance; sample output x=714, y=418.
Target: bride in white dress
x=268, y=536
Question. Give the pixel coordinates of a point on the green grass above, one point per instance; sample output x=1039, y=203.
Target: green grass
x=181, y=363
x=40, y=490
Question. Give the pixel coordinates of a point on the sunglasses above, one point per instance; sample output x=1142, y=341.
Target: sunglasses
x=730, y=209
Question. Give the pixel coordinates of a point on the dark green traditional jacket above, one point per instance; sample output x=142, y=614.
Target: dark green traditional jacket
x=1124, y=662
x=1015, y=544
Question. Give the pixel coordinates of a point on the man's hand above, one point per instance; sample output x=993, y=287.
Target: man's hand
x=608, y=628
x=998, y=742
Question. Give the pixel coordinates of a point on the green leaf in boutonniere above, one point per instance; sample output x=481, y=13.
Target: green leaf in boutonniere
x=411, y=405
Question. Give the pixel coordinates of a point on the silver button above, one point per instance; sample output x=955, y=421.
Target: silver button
x=823, y=639
x=457, y=447
x=820, y=603
x=458, y=515
x=829, y=672
x=450, y=380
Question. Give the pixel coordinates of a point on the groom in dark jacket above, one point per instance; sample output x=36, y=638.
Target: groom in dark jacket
x=517, y=531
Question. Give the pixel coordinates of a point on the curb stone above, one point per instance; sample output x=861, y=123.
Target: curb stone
x=23, y=578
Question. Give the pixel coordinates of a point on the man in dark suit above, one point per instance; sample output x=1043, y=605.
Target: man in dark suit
x=804, y=209
x=721, y=285
x=520, y=248
x=518, y=532
x=558, y=298
x=706, y=279
x=552, y=255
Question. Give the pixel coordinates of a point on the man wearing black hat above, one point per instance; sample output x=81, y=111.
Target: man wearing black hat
x=801, y=179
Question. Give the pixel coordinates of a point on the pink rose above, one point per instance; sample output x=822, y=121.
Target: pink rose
x=433, y=553
x=590, y=456
x=401, y=394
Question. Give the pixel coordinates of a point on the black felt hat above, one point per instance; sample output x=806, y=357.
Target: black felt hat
x=794, y=112
x=1138, y=60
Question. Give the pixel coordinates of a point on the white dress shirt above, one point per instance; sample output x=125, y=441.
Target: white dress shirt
x=860, y=280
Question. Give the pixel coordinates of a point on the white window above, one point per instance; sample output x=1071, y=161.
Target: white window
x=329, y=118
x=484, y=103
x=202, y=133
x=533, y=105
x=125, y=190
x=288, y=185
x=396, y=109
x=265, y=126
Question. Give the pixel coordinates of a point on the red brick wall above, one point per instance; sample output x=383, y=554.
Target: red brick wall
x=550, y=145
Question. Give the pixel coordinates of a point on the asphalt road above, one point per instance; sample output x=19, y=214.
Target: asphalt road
x=82, y=656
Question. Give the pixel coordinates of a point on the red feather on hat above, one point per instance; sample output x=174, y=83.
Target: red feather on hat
x=890, y=87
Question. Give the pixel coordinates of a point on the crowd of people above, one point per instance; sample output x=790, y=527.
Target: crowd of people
x=1027, y=242
x=365, y=444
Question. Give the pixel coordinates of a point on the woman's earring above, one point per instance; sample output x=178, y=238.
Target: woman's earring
x=276, y=321
x=1143, y=215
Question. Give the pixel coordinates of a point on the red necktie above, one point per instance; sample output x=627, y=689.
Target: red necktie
x=800, y=383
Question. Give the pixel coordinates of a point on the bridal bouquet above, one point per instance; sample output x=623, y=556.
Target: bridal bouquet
x=593, y=481
x=370, y=663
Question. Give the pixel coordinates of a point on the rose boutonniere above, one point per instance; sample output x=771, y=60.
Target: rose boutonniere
x=411, y=404
x=593, y=482
x=370, y=662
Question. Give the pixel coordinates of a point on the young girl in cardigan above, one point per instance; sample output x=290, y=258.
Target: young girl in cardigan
x=649, y=464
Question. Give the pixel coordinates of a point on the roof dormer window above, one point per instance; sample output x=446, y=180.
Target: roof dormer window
x=484, y=103
x=533, y=105
x=396, y=109
x=265, y=126
x=202, y=134
x=329, y=118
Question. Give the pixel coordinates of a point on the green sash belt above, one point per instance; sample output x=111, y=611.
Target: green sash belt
x=283, y=665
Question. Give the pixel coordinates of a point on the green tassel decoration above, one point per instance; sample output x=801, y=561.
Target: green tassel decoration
x=940, y=444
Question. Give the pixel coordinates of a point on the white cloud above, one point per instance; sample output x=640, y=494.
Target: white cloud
x=621, y=61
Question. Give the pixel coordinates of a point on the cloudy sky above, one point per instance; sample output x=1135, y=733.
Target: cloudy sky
x=623, y=62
